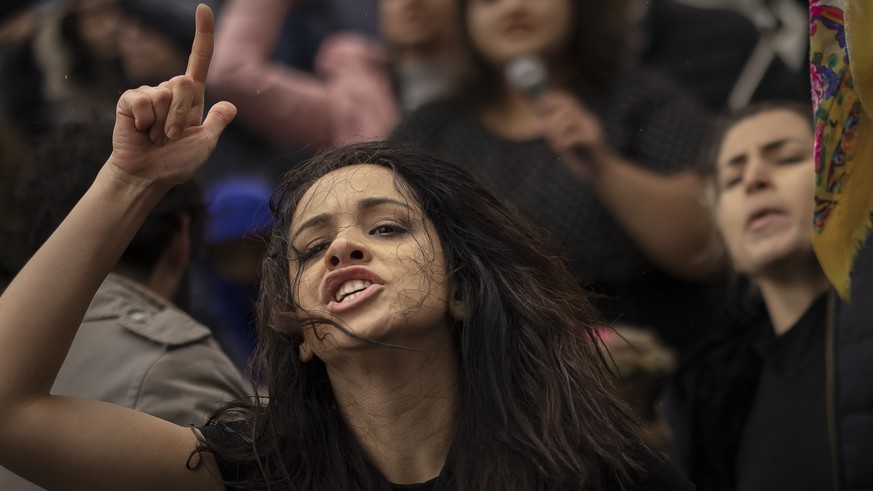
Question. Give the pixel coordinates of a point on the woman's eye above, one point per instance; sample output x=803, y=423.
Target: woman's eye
x=792, y=159
x=387, y=229
x=312, y=251
x=731, y=182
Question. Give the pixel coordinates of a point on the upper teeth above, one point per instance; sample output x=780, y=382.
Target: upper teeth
x=349, y=287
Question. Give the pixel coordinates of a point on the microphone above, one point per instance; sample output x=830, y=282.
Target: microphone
x=527, y=74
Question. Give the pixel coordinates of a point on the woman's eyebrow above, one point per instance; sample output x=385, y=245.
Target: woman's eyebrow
x=315, y=221
x=768, y=147
x=369, y=203
x=779, y=144
x=363, y=205
x=737, y=160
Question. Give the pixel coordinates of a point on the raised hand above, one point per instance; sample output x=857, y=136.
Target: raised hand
x=96, y=445
x=160, y=135
x=570, y=129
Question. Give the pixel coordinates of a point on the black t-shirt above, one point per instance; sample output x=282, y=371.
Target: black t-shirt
x=784, y=444
x=425, y=486
x=660, y=475
x=439, y=483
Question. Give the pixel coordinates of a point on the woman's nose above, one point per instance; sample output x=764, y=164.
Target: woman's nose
x=757, y=177
x=344, y=251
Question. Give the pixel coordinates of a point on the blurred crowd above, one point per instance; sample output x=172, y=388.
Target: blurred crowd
x=621, y=154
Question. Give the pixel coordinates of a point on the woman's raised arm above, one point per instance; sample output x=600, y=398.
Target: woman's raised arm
x=160, y=140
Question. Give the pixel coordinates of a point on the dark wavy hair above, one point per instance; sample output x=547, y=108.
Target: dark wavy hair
x=64, y=164
x=595, y=51
x=537, y=405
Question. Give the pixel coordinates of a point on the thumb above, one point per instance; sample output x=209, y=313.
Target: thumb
x=219, y=116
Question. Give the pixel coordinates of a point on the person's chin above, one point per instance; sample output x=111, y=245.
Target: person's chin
x=776, y=257
x=363, y=328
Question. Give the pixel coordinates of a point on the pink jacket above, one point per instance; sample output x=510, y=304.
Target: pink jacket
x=348, y=99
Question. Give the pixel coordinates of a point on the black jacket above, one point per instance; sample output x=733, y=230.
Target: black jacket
x=710, y=396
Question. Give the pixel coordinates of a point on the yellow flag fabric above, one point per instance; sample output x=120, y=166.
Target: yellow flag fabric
x=841, y=71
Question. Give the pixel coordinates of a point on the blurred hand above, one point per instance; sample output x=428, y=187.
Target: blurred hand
x=160, y=135
x=570, y=129
x=20, y=29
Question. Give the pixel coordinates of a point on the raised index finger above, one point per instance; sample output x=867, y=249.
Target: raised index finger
x=201, y=49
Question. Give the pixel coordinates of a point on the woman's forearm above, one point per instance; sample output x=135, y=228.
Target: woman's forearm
x=285, y=105
x=666, y=215
x=160, y=139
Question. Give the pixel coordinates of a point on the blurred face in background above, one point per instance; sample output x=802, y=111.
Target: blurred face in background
x=766, y=184
x=98, y=25
x=147, y=55
x=418, y=24
x=502, y=30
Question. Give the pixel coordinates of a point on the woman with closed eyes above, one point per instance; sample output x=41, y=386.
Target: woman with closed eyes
x=756, y=399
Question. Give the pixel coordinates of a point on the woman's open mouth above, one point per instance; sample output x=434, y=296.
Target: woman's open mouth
x=351, y=294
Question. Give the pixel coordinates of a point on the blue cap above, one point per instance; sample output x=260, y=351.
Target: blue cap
x=238, y=206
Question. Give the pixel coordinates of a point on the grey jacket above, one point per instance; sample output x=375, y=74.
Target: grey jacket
x=136, y=350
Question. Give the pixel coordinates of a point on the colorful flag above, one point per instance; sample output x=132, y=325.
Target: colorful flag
x=841, y=70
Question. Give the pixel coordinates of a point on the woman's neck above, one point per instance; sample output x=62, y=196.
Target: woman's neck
x=442, y=51
x=790, y=292
x=512, y=116
x=416, y=54
x=401, y=409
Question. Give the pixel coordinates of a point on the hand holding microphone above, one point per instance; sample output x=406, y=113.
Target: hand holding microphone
x=572, y=131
